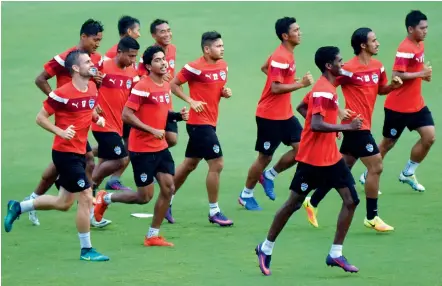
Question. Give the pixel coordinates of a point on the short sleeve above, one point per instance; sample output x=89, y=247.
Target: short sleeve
x=278, y=67
x=136, y=96
x=320, y=102
x=402, y=60
x=47, y=106
x=383, y=78
x=54, y=66
x=188, y=73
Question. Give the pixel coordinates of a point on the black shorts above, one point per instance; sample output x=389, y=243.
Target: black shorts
x=88, y=147
x=271, y=133
x=126, y=130
x=172, y=126
x=395, y=122
x=359, y=144
x=146, y=165
x=71, y=168
x=203, y=142
x=308, y=177
x=110, y=145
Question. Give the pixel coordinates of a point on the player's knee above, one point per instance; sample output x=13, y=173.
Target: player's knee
x=144, y=198
x=216, y=166
x=376, y=169
x=64, y=205
x=429, y=141
x=171, y=140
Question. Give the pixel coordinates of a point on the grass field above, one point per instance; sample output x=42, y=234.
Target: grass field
x=48, y=255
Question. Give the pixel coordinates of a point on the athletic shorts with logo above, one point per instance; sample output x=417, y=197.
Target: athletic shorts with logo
x=395, y=122
x=270, y=134
x=203, y=142
x=359, y=144
x=146, y=165
x=110, y=145
x=71, y=168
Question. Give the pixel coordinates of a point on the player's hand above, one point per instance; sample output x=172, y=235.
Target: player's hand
x=345, y=114
x=339, y=135
x=198, y=106
x=227, y=92
x=98, y=78
x=427, y=71
x=184, y=113
x=159, y=134
x=307, y=79
x=356, y=124
x=68, y=133
x=428, y=78
x=167, y=77
x=101, y=121
x=98, y=109
x=396, y=82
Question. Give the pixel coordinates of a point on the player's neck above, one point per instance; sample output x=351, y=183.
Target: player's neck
x=117, y=62
x=209, y=60
x=288, y=46
x=163, y=46
x=331, y=78
x=364, y=58
x=413, y=40
x=80, y=83
x=81, y=47
x=156, y=78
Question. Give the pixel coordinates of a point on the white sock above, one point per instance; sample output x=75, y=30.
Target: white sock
x=107, y=198
x=85, y=240
x=247, y=193
x=153, y=232
x=271, y=174
x=410, y=168
x=171, y=200
x=27, y=206
x=267, y=247
x=34, y=196
x=214, y=209
x=336, y=251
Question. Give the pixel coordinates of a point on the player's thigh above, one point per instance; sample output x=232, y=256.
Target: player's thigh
x=373, y=163
x=291, y=131
x=166, y=164
x=144, y=165
x=268, y=135
x=339, y=177
x=359, y=144
x=394, y=124
x=203, y=142
x=72, y=171
x=65, y=197
x=110, y=145
x=306, y=178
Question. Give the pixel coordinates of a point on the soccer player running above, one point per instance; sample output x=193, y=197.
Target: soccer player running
x=319, y=162
x=405, y=106
x=146, y=111
x=363, y=78
x=127, y=27
x=274, y=115
x=206, y=78
x=91, y=34
x=73, y=107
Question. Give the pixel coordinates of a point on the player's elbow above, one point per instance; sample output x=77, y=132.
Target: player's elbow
x=275, y=88
x=125, y=116
x=316, y=127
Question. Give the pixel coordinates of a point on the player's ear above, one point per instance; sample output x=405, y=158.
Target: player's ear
x=328, y=66
x=285, y=36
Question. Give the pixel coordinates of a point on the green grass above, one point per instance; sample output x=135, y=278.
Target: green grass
x=204, y=254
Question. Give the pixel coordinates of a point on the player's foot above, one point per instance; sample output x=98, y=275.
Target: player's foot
x=263, y=260
x=268, y=186
x=103, y=223
x=33, y=215
x=377, y=224
x=116, y=185
x=169, y=216
x=156, y=241
x=311, y=212
x=341, y=262
x=14, y=211
x=363, y=178
x=100, y=205
x=249, y=203
x=220, y=219
x=412, y=181
x=90, y=254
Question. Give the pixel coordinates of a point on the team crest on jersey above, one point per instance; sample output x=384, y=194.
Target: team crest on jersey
x=143, y=177
x=91, y=103
x=172, y=63
x=216, y=148
x=128, y=84
x=117, y=150
x=393, y=132
x=375, y=78
x=304, y=187
x=222, y=74
x=369, y=147
x=167, y=97
x=81, y=183
x=267, y=145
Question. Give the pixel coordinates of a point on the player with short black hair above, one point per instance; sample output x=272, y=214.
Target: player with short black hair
x=73, y=106
x=319, y=162
x=147, y=111
x=206, y=77
x=91, y=34
x=275, y=121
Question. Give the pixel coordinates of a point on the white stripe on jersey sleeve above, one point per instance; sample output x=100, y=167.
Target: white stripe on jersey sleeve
x=382, y=69
x=59, y=60
x=58, y=98
x=136, y=79
x=192, y=70
x=140, y=93
x=279, y=65
x=323, y=94
x=404, y=55
x=346, y=73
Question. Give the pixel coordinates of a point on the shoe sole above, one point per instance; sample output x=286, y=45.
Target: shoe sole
x=221, y=225
x=414, y=189
x=331, y=265
x=262, y=271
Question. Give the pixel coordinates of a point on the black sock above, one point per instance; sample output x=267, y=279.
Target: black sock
x=317, y=196
x=372, y=208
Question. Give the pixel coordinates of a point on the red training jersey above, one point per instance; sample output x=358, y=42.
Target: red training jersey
x=113, y=94
x=408, y=98
x=72, y=107
x=282, y=69
x=170, y=58
x=150, y=102
x=320, y=148
x=360, y=85
x=55, y=66
x=206, y=82
x=111, y=53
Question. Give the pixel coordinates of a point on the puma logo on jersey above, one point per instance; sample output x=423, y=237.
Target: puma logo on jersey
x=112, y=80
x=75, y=104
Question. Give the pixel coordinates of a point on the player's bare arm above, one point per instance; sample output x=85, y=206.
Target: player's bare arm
x=280, y=88
x=130, y=118
x=319, y=125
x=396, y=82
x=43, y=121
x=302, y=109
x=264, y=67
x=175, y=86
x=42, y=82
x=425, y=73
